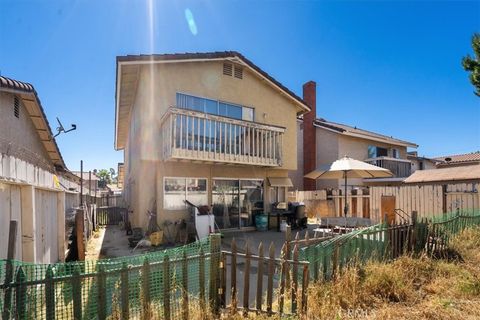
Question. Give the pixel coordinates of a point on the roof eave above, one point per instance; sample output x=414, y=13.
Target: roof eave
x=22, y=88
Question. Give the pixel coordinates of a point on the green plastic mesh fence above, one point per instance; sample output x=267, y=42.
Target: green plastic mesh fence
x=130, y=287
x=376, y=242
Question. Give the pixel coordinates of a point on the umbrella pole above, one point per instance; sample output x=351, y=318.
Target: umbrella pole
x=345, y=204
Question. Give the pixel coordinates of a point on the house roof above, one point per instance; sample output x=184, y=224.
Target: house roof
x=360, y=133
x=460, y=158
x=30, y=99
x=86, y=175
x=461, y=173
x=125, y=100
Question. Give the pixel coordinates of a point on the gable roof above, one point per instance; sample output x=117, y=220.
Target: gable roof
x=32, y=103
x=125, y=100
x=360, y=133
x=461, y=173
x=459, y=158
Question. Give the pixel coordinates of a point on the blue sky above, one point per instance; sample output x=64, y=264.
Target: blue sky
x=386, y=66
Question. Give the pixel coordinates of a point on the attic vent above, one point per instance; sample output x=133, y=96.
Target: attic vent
x=238, y=72
x=227, y=69
x=16, y=107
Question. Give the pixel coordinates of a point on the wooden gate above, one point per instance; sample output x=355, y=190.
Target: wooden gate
x=110, y=215
x=247, y=276
x=388, y=209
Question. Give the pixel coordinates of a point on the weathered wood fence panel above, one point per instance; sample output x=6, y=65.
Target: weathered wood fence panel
x=426, y=199
x=249, y=270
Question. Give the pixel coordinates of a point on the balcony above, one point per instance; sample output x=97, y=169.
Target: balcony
x=401, y=168
x=198, y=136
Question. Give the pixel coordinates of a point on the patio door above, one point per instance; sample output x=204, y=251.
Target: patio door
x=236, y=202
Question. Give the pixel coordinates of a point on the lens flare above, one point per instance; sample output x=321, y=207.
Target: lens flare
x=191, y=22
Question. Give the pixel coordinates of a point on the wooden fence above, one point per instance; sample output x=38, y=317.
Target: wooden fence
x=287, y=279
x=169, y=284
x=111, y=215
x=371, y=202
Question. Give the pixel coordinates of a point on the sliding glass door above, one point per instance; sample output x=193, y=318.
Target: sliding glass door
x=236, y=202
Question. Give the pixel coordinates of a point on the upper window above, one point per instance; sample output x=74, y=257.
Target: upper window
x=374, y=152
x=215, y=107
x=395, y=153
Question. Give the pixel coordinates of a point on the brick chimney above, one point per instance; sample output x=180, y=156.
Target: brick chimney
x=309, y=134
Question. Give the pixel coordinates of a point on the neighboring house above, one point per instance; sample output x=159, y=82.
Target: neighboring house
x=211, y=128
x=321, y=142
x=420, y=163
x=458, y=160
x=36, y=189
x=92, y=184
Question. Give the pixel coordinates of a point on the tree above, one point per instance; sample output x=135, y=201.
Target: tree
x=104, y=176
x=472, y=64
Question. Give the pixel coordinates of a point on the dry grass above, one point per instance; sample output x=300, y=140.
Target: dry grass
x=408, y=288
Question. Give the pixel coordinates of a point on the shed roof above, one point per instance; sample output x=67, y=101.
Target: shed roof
x=30, y=99
x=462, y=173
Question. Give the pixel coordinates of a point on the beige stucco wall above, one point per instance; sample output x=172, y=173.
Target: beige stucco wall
x=330, y=147
x=358, y=149
x=297, y=175
x=19, y=132
x=156, y=92
x=426, y=165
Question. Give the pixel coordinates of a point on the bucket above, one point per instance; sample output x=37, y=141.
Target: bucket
x=156, y=238
x=261, y=221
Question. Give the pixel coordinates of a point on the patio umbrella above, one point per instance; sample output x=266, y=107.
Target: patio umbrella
x=348, y=168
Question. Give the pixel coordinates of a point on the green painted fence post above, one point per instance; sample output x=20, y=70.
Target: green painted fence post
x=76, y=293
x=166, y=287
x=201, y=280
x=124, y=291
x=49, y=294
x=21, y=294
x=185, y=312
x=146, y=289
x=102, y=293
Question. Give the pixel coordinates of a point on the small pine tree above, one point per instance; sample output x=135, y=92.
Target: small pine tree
x=472, y=64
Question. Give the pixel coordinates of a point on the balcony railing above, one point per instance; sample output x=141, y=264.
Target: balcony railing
x=199, y=136
x=401, y=168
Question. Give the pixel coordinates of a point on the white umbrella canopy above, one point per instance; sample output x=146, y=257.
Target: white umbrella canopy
x=353, y=168
x=348, y=168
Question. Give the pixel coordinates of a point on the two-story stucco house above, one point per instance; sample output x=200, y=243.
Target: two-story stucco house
x=321, y=142
x=36, y=187
x=211, y=128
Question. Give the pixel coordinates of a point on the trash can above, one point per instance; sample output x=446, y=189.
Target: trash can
x=261, y=221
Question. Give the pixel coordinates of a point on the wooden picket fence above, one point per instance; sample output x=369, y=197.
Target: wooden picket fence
x=171, y=283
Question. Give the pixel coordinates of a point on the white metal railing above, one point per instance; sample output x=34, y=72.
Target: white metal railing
x=194, y=135
x=399, y=167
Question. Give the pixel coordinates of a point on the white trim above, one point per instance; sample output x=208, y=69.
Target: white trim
x=218, y=101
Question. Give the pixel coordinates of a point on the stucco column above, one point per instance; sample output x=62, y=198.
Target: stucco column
x=28, y=224
x=61, y=225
